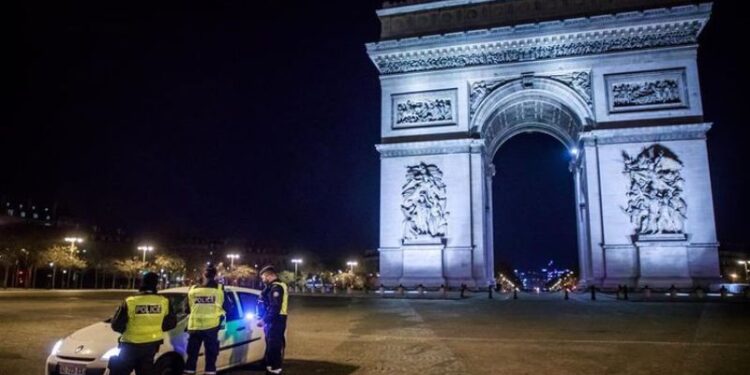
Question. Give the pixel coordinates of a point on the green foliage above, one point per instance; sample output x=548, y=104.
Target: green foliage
x=287, y=277
x=240, y=272
x=130, y=267
x=62, y=257
x=346, y=279
x=169, y=263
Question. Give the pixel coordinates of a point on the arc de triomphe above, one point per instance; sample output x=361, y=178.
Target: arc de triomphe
x=615, y=81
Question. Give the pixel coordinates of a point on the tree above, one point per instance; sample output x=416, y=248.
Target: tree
x=131, y=268
x=170, y=264
x=21, y=246
x=61, y=257
x=8, y=258
x=287, y=277
x=239, y=273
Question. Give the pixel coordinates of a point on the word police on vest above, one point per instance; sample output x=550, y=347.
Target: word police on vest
x=148, y=309
x=205, y=299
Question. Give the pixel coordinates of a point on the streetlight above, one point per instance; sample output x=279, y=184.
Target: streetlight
x=296, y=261
x=733, y=276
x=54, y=273
x=73, y=241
x=232, y=257
x=747, y=272
x=26, y=264
x=351, y=265
x=145, y=249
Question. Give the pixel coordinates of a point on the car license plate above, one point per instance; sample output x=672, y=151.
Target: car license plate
x=72, y=369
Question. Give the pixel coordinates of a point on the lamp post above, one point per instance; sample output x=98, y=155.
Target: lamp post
x=747, y=272
x=27, y=278
x=232, y=257
x=73, y=241
x=297, y=262
x=145, y=248
x=54, y=273
x=351, y=265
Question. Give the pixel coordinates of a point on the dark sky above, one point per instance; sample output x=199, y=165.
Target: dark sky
x=257, y=119
x=533, y=203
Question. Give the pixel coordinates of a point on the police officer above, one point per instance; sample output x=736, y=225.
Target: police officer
x=205, y=306
x=273, y=308
x=141, y=319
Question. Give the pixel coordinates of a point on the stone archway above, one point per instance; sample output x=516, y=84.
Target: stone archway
x=534, y=104
x=624, y=97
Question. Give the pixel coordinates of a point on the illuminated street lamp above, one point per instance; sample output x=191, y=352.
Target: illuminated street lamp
x=232, y=257
x=296, y=261
x=747, y=273
x=145, y=249
x=351, y=265
x=733, y=276
x=73, y=241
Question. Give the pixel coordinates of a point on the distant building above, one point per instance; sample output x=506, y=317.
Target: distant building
x=544, y=278
x=29, y=211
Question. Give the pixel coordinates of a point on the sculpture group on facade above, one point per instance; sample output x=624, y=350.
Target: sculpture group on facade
x=664, y=91
x=655, y=202
x=427, y=110
x=424, y=202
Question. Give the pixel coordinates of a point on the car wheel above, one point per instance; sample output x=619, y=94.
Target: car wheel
x=168, y=365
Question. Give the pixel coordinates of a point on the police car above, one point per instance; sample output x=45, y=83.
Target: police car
x=88, y=350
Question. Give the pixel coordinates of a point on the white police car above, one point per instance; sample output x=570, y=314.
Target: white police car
x=87, y=351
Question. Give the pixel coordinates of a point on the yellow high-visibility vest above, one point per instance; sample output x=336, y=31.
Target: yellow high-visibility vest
x=206, y=307
x=285, y=299
x=146, y=313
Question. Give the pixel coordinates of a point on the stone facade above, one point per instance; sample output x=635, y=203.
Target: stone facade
x=620, y=90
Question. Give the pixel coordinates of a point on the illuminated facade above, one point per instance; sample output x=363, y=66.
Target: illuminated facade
x=616, y=84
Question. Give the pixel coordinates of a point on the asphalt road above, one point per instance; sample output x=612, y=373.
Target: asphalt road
x=533, y=335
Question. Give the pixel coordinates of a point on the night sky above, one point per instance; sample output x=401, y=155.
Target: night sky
x=257, y=120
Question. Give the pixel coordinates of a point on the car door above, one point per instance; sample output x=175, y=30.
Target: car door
x=249, y=303
x=235, y=335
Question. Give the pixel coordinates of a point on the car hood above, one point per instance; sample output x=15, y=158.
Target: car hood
x=90, y=342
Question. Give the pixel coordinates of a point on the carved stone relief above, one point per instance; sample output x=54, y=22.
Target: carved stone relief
x=424, y=203
x=580, y=44
x=424, y=109
x=655, y=202
x=647, y=91
x=579, y=81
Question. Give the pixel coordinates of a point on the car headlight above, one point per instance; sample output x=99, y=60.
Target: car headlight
x=114, y=352
x=56, y=348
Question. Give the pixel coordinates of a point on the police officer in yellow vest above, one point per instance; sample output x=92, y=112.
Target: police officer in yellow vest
x=206, y=309
x=141, y=319
x=273, y=309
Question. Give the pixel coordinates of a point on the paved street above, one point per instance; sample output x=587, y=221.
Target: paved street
x=533, y=335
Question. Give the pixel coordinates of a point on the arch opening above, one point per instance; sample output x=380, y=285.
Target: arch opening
x=534, y=212
x=544, y=205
